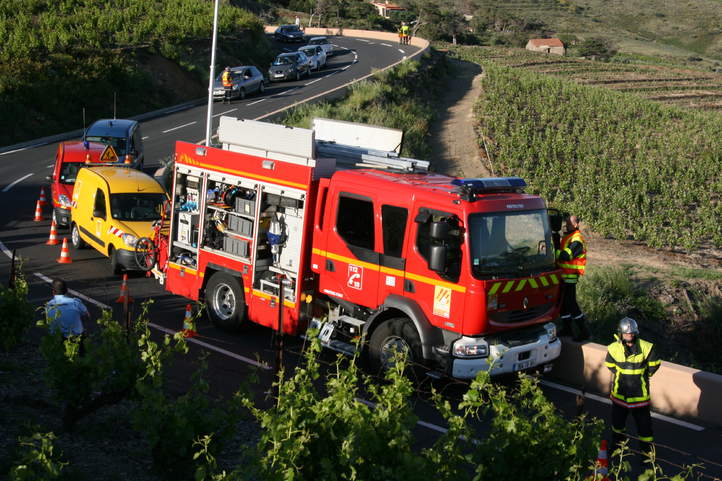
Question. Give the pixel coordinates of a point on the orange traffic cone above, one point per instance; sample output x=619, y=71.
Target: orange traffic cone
x=601, y=467
x=53, y=239
x=43, y=201
x=124, y=291
x=65, y=253
x=189, y=328
x=38, y=212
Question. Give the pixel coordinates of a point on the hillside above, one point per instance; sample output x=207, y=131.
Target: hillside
x=63, y=61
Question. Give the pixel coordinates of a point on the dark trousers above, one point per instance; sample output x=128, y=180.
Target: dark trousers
x=643, y=420
x=570, y=308
x=227, y=96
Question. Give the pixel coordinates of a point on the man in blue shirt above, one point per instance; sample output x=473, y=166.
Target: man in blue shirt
x=65, y=313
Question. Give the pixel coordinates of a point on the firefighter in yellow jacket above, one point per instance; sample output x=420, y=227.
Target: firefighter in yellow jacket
x=632, y=362
x=572, y=259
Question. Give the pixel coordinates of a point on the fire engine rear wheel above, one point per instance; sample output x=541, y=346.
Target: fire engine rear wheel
x=397, y=335
x=225, y=301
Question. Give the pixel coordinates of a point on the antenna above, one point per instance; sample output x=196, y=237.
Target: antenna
x=83, y=120
x=114, y=103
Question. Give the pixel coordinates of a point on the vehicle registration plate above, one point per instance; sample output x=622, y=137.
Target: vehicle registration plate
x=522, y=365
x=278, y=75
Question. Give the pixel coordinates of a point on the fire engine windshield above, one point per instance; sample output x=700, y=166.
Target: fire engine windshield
x=510, y=243
x=136, y=207
x=69, y=171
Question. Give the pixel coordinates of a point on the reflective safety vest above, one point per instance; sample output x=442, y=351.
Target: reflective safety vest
x=574, y=267
x=631, y=369
x=405, y=30
x=227, y=81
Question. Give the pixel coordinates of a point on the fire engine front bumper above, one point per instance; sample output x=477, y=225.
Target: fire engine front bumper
x=511, y=353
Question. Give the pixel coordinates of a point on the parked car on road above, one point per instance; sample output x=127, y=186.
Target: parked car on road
x=121, y=134
x=246, y=80
x=69, y=159
x=288, y=33
x=292, y=65
x=323, y=43
x=316, y=56
x=112, y=208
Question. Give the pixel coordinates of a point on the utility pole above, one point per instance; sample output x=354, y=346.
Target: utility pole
x=209, y=117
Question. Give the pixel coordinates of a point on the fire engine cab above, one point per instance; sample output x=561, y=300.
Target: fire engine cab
x=329, y=228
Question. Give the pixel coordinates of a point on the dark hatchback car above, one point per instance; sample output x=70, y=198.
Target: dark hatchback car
x=293, y=65
x=246, y=80
x=288, y=33
x=123, y=135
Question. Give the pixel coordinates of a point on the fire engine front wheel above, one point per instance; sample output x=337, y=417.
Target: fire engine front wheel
x=225, y=301
x=395, y=336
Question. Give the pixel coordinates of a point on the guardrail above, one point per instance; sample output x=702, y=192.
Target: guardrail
x=677, y=391
x=348, y=32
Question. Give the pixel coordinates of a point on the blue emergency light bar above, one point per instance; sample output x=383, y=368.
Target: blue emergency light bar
x=490, y=184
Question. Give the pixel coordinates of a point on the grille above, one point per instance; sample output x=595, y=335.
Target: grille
x=523, y=315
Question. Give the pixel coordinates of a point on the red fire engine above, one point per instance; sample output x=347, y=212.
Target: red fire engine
x=457, y=273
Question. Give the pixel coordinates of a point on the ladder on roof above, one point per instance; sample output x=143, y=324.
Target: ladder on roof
x=356, y=157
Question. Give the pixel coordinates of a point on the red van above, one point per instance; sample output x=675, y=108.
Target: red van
x=71, y=156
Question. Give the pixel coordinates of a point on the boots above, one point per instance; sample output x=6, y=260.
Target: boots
x=582, y=329
x=566, y=330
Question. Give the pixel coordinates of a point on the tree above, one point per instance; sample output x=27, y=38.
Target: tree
x=597, y=47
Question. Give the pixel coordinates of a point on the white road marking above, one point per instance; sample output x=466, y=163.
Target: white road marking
x=146, y=137
x=10, y=186
x=226, y=112
x=75, y=293
x=6, y=251
x=179, y=127
x=18, y=150
x=50, y=165
x=401, y=51
x=254, y=103
x=362, y=40
x=605, y=400
x=312, y=81
x=386, y=45
x=347, y=66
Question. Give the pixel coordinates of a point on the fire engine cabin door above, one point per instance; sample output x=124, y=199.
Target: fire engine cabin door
x=351, y=271
x=392, y=268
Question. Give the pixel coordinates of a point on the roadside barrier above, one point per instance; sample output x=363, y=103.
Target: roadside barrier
x=65, y=253
x=124, y=294
x=53, y=238
x=38, y=212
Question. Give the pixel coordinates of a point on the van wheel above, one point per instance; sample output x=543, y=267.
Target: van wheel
x=242, y=94
x=115, y=267
x=261, y=88
x=225, y=301
x=396, y=335
x=298, y=75
x=75, y=239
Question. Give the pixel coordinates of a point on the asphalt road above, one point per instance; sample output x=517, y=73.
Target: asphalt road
x=234, y=356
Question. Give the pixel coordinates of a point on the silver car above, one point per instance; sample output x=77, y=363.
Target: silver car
x=323, y=43
x=289, y=66
x=315, y=55
x=246, y=80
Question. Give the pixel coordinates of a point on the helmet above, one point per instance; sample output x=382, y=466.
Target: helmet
x=628, y=326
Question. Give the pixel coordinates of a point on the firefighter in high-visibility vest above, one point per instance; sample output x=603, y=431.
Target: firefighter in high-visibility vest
x=571, y=259
x=632, y=362
x=227, y=80
x=405, y=30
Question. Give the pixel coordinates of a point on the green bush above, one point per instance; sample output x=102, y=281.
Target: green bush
x=708, y=334
x=39, y=461
x=15, y=311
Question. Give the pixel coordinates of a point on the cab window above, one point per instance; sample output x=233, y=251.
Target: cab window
x=394, y=226
x=355, y=221
x=136, y=207
x=99, y=206
x=68, y=172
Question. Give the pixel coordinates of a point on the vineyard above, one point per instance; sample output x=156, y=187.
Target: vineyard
x=681, y=87
x=632, y=168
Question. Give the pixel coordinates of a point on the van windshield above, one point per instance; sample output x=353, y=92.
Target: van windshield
x=136, y=207
x=69, y=171
x=120, y=144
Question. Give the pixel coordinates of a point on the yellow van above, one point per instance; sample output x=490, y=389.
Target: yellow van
x=112, y=208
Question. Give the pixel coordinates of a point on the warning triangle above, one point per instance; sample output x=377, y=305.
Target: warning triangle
x=109, y=155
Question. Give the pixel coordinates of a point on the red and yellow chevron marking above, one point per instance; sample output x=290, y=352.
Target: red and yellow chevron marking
x=516, y=285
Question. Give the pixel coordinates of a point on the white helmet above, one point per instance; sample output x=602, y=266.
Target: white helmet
x=628, y=326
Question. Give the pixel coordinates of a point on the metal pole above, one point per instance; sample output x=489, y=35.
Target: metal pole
x=11, y=281
x=209, y=118
x=279, y=333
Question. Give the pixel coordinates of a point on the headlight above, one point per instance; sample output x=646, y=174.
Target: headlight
x=130, y=239
x=492, y=302
x=64, y=201
x=551, y=329
x=471, y=347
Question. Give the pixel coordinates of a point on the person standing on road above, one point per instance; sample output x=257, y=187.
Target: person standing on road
x=632, y=362
x=227, y=80
x=66, y=314
x=298, y=21
x=571, y=259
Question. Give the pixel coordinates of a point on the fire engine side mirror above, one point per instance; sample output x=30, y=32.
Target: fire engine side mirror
x=49, y=178
x=437, y=258
x=440, y=230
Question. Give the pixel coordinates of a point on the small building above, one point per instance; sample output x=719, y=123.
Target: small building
x=385, y=8
x=546, y=45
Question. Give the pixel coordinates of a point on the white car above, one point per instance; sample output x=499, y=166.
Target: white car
x=323, y=43
x=316, y=55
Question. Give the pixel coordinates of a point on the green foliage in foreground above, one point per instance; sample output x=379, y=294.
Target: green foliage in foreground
x=61, y=56
x=15, y=311
x=39, y=460
x=399, y=98
x=630, y=167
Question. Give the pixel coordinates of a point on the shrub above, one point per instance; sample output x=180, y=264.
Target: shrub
x=15, y=311
x=39, y=461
